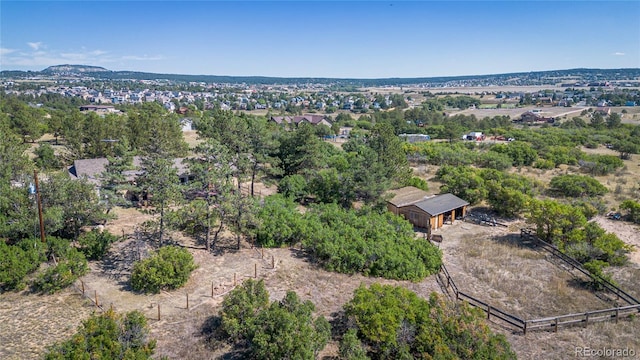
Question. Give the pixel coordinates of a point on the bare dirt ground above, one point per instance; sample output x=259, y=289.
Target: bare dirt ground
x=627, y=232
x=550, y=111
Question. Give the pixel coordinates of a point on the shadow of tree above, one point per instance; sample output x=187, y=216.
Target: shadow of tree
x=515, y=241
x=215, y=338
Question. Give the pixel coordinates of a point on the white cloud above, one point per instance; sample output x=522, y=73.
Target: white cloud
x=35, y=45
x=39, y=56
x=618, y=54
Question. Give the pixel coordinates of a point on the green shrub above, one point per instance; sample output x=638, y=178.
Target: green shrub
x=351, y=347
x=366, y=125
x=521, y=153
x=17, y=261
x=595, y=267
x=544, y=164
x=95, y=244
x=280, y=222
x=464, y=182
x=293, y=186
x=494, y=160
x=417, y=182
x=396, y=323
x=601, y=164
x=169, y=268
x=108, y=336
x=284, y=329
x=70, y=266
x=287, y=329
x=240, y=307
x=633, y=210
x=577, y=186
x=349, y=241
x=368, y=242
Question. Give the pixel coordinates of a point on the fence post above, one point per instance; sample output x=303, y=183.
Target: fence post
x=273, y=262
x=82, y=283
x=555, y=326
x=187, y=301
x=262, y=253
x=617, y=314
x=96, y=295
x=111, y=307
x=158, y=311
x=212, y=289
x=524, y=328
x=255, y=271
x=586, y=319
x=488, y=312
x=234, y=279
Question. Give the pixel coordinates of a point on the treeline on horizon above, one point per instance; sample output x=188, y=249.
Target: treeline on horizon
x=532, y=78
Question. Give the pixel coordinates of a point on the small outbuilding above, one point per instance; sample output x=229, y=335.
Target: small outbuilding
x=424, y=210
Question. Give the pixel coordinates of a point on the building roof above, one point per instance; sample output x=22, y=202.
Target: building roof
x=441, y=204
x=89, y=168
x=313, y=119
x=407, y=195
x=92, y=168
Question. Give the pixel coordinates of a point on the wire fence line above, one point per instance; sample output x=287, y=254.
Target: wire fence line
x=264, y=265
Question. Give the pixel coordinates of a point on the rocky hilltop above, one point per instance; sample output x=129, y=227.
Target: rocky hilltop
x=67, y=69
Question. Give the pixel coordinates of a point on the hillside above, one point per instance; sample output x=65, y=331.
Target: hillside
x=587, y=77
x=73, y=69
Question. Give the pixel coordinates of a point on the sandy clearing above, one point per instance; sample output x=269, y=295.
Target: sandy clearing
x=627, y=232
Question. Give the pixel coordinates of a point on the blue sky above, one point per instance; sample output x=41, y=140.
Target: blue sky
x=359, y=39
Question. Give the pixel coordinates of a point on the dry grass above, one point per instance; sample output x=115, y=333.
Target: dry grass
x=495, y=266
x=29, y=323
x=492, y=265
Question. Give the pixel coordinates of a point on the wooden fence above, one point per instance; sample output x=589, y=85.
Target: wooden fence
x=548, y=323
x=574, y=264
x=491, y=311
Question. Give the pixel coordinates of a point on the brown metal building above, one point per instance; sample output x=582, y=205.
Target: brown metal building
x=424, y=210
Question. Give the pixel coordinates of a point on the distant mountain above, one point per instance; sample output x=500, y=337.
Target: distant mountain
x=71, y=69
x=551, y=77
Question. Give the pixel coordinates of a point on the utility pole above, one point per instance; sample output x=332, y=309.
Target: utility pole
x=35, y=177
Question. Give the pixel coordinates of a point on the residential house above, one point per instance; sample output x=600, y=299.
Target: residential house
x=415, y=138
x=98, y=108
x=296, y=120
x=535, y=117
x=91, y=169
x=424, y=210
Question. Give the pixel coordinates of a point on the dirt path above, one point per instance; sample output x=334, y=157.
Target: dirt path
x=627, y=232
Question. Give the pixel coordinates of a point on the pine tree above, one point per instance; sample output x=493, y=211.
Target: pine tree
x=113, y=180
x=159, y=179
